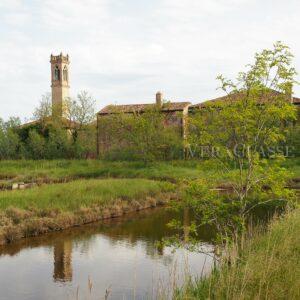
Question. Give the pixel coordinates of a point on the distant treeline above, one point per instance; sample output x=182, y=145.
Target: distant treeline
x=139, y=137
x=45, y=141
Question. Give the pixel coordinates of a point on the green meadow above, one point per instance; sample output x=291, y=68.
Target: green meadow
x=65, y=170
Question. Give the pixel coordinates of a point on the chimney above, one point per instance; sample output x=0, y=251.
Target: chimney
x=159, y=99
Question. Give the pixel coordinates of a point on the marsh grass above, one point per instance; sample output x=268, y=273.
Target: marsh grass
x=52, y=171
x=81, y=193
x=268, y=267
x=60, y=170
x=58, y=206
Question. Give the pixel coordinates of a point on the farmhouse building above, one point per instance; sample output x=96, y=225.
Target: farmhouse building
x=174, y=114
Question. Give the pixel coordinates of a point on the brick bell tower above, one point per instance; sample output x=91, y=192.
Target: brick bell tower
x=59, y=82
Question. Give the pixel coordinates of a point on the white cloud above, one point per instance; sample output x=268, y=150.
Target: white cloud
x=125, y=51
x=196, y=8
x=10, y=4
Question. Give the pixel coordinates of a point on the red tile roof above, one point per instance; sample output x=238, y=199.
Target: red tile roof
x=131, y=108
x=65, y=122
x=234, y=97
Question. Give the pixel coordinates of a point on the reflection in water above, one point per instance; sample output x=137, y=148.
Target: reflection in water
x=186, y=224
x=63, y=261
x=121, y=253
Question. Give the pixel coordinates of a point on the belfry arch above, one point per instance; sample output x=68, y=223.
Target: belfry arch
x=56, y=73
x=65, y=73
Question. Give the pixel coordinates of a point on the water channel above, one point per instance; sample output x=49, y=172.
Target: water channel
x=118, y=258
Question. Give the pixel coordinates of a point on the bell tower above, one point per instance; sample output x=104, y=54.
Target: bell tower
x=59, y=82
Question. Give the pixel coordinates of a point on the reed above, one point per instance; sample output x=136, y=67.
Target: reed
x=268, y=267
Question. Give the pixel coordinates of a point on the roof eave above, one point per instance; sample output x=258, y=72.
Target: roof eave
x=102, y=112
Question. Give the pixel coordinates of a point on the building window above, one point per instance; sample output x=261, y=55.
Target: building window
x=56, y=73
x=65, y=74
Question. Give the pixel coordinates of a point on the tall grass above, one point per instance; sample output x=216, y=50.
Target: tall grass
x=65, y=170
x=80, y=193
x=29, y=170
x=267, y=268
x=53, y=207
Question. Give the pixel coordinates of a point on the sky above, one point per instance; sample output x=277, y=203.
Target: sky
x=124, y=51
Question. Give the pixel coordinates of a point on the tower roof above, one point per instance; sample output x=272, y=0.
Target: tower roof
x=59, y=58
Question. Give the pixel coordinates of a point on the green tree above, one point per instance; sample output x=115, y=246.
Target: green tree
x=58, y=143
x=242, y=133
x=85, y=144
x=80, y=115
x=141, y=136
x=72, y=136
x=10, y=145
x=44, y=109
x=293, y=137
x=36, y=145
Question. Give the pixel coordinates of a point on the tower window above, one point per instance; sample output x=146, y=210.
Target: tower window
x=56, y=73
x=65, y=74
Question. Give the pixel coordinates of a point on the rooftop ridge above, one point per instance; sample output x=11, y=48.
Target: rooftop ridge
x=128, y=108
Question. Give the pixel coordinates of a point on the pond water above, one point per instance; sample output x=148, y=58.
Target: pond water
x=119, y=258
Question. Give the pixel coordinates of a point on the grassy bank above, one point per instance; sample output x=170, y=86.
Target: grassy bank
x=60, y=170
x=59, y=206
x=54, y=171
x=267, y=268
